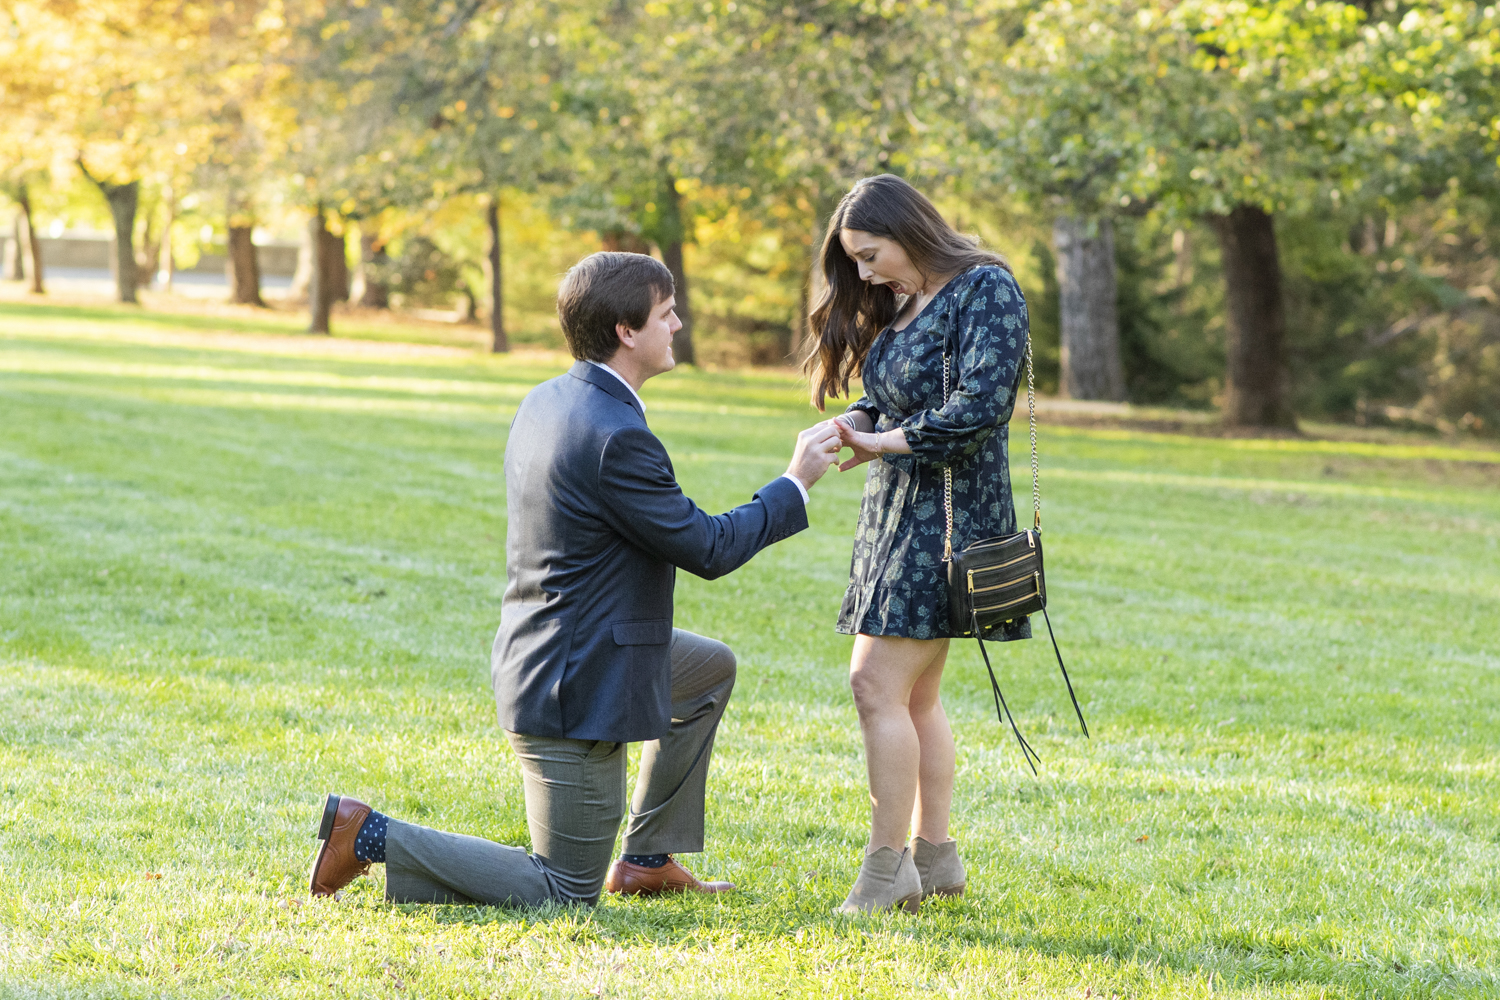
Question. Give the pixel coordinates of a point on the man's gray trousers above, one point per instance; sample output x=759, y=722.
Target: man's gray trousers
x=575, y=798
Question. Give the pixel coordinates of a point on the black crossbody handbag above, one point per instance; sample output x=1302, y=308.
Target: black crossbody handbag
x=1000, y=579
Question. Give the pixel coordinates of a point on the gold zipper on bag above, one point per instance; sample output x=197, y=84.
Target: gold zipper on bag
x=1006, y=604
x=995, y=586
x=1017, y=600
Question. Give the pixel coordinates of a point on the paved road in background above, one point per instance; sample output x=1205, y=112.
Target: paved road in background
x=195, y=284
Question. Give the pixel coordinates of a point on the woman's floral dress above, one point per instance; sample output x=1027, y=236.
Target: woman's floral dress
x=898, y=583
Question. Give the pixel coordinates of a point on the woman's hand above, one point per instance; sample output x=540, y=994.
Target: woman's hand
x=866, y=445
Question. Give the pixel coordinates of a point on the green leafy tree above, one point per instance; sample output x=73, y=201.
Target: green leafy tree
x=415, y=103
x=30, y=87
x=1232, y=112
x=118, y=83
x=857, y=90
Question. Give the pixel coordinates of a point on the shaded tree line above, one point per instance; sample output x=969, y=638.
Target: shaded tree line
x=1281, y=208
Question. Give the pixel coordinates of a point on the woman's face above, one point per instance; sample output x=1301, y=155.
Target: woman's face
x=881, y=261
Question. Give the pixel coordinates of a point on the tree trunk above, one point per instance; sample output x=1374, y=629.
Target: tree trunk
x=167, y=264
x=1182, y=258
x=673, y=230
x=337, y=266
x=13, y=267
x=319, y=290
x=1256, y=377
x=302, y=276
x=242, y=268
x=682, y=340
x=145, y=259
x=796, y=346
x=623, y=241
x=123, y=200
x=816, y=281
x=375, y=293
x=500, y=343
x=1087, y=309
x=33, y=262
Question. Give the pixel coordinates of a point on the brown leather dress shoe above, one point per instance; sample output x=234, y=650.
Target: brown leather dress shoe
x=637, y=880
x=336, y=866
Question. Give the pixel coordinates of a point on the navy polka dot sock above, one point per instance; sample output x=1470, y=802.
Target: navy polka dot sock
x=644, y=860
x=369, y=842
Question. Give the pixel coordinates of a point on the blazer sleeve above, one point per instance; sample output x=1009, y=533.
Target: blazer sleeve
x=641, y=500
x=990, y=329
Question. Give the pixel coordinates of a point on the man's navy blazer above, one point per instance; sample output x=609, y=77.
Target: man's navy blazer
x=597, y=526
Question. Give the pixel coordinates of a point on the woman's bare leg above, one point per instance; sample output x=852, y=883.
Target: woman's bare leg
x=883, y=673
x=929, y=819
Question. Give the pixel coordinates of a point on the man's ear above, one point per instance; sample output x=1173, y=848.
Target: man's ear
x=626, y=335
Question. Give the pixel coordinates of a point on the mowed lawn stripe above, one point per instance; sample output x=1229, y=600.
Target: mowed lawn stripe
x=218, y=606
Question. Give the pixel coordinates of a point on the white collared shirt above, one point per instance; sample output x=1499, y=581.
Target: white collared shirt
x=599, y=364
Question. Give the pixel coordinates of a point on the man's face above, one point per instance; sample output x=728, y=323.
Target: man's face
x=652, y=349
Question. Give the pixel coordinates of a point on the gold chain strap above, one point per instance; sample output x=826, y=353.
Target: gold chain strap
x=948, y=475
x=1036, y=480
x=1036, y=476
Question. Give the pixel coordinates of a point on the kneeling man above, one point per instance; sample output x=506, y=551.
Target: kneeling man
x=586, y=659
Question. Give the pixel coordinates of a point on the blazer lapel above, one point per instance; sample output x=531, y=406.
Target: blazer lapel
x=595, y=375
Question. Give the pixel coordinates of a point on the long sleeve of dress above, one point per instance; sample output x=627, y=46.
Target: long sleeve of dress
x=865, y=406
x=991, y=327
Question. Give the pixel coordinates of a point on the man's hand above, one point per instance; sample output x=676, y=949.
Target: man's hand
x=817, y=449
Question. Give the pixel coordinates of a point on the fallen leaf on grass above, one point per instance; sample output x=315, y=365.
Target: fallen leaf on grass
x=151, y=876
x=1143, y=838
x=395, y=979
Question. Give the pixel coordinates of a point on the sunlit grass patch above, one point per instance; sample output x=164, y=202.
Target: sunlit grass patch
x=243, y=568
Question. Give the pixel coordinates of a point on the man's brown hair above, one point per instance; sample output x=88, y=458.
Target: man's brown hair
x=604, y=289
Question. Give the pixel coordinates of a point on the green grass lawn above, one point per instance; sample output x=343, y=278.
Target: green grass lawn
x=242, y=569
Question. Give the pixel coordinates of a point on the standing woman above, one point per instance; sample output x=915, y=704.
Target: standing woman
x=904, y=290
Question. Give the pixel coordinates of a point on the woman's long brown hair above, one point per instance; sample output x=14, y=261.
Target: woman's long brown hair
x=849, y=312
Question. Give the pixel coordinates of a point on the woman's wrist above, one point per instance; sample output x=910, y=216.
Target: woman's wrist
x=892, y=442
x=852, y=419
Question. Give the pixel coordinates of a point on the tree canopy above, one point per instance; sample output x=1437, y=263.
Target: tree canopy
x=1283, y=183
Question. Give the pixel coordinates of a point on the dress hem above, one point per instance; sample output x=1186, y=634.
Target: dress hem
x=996, y=635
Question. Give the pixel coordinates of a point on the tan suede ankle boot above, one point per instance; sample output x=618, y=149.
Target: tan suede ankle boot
x=938, y=866
x=887, y=880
